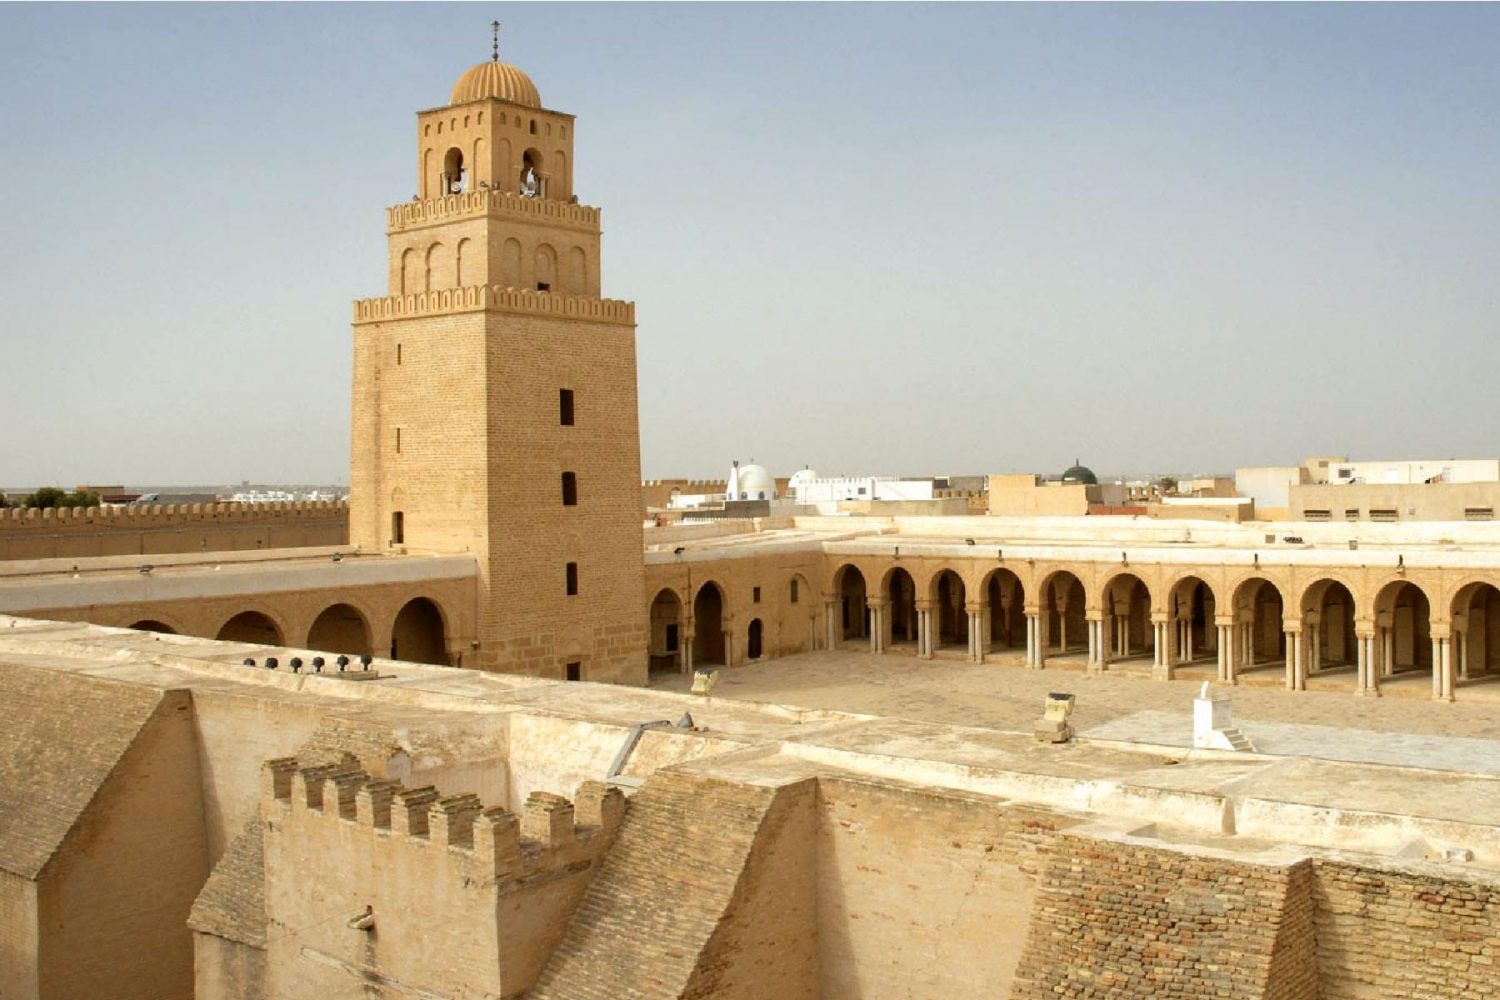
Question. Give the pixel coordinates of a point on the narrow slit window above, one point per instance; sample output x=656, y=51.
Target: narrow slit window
x=398, y=527
x=398, y=440
x=565, y=407
x=570, y=489
x=572, y=575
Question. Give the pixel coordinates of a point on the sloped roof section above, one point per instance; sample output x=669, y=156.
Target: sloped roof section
x=61, y=734
x=232, y=904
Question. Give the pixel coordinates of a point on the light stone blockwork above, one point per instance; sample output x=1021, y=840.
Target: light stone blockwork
x=432, y=838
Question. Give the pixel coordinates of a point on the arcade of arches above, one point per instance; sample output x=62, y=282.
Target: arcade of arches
x=1297, y=628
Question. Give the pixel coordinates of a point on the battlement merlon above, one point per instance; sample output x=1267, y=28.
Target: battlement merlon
x=488, y=203
x=494, y=298
x=552, y=834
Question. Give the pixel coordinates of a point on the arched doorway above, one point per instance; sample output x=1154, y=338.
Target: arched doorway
x=952, y=618
x=418, y=635
x=666, y=631
x=1403, y=631
x=753, y=640
x=853, y=612
x=1127, y=615
x=340, y=628
x=901, y=595
x=1330, y=645
x=250, y=626
x=708, y=625
x=1191, y=608
x=152, y=625
x=1259, y=635
x=1476, y=634
x=1006, y=600
x=1064, y=617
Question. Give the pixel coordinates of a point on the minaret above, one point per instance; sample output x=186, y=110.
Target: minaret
x=494, y=403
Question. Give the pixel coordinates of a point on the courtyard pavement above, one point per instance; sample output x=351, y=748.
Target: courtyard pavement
x=1126, y=705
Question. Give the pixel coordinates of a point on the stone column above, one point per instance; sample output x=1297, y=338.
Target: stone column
x=835, y=625
x=924, y=630
x=1368, y=668
x=1035, y=640
x=685, y=651
x=1098, y=655
x=1388, y=651
x=1225, y=652
x=729, y=646
x=1296, y=677
x=877, y=626
x=976, y=635
x=1446, y=661
x=1161, y=659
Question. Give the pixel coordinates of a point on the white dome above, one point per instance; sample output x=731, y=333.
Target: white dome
x=755, y=483
x=801, y=478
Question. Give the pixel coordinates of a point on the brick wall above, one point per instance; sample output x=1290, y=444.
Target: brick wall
x=1414, y=933
x=1125, y=921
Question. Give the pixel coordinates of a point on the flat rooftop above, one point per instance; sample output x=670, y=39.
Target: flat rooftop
x=963, y=743
x=1420, y=543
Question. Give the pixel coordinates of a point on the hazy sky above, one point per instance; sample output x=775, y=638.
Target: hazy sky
x=872, y=239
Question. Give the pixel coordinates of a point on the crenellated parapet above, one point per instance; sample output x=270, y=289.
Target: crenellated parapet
x=471, y=843
x=489, y=203
x=497, y=298
x=159, y=515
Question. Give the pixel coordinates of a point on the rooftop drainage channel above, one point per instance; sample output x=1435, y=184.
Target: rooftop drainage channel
x=622, y=758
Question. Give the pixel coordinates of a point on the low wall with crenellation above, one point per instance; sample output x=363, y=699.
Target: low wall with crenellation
x=156, y=529
x=431, y=892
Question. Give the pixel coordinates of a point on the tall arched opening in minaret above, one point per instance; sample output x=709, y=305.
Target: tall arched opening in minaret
x=454, y=175
x=418, y=634
x=708, y=625
x=340, y=628
x=530, y=181
x=250, y=626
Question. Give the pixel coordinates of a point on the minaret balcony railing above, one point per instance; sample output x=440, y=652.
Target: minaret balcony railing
x=494, y=298
x=489, y=202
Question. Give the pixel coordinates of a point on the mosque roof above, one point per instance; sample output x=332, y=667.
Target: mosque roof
x=1079, y=474
x=499, y=80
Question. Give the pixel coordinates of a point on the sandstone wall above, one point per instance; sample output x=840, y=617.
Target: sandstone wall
x=115, y=900
x=18, y=937
x=923, y=893
x=155, y=529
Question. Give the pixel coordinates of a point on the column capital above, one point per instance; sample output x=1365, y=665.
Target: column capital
x=975, y=607
x=925, y=605
x=877, y=603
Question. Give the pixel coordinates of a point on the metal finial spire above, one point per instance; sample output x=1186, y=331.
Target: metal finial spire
x=495, y=42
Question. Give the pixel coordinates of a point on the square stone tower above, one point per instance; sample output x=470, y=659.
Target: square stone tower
x=494, y=403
